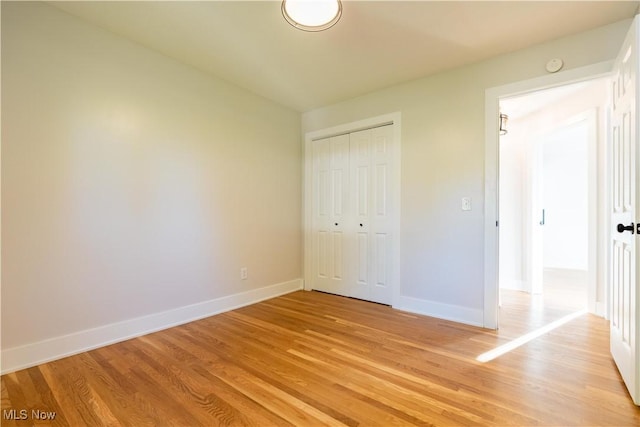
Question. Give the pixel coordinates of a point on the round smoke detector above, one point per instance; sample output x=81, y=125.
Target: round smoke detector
x=554, y=65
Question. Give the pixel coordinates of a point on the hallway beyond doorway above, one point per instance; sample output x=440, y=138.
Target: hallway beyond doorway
x=565, y=293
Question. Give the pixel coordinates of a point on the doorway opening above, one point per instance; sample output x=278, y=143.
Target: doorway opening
x=549, y=165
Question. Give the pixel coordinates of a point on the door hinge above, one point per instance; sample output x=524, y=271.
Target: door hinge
x=497, y=223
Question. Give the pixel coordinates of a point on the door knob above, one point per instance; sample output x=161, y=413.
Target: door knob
x=622, y=228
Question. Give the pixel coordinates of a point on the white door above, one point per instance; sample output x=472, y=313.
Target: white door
x=371, y=164
x=624, y=257
x=330, y=199
x=353, y=208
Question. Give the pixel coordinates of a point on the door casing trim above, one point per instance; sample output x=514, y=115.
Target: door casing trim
x=491, y=214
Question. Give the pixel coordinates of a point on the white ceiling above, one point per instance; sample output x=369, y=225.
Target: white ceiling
x=376, y=44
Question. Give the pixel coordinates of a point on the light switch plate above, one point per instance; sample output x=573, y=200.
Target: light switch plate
x=466, y=203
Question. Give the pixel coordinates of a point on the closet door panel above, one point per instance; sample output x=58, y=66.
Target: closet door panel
x=321, y=232
x=381, y=219
x=360, y=150
x=330, y=199
x=339, y=212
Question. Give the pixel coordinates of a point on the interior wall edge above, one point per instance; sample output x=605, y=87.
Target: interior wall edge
x=33, y=354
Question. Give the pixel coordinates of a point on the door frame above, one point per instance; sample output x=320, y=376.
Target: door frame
x=307, y=212
x=491, y=167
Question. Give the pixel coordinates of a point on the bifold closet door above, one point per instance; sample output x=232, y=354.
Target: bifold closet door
x=330, y=200
x=370, y=199
x=352, y=214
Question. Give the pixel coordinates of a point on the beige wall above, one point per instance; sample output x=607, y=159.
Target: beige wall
x=443, y=151
x=132, y=184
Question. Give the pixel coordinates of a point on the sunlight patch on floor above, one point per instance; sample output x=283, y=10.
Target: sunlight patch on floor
x=512, y=345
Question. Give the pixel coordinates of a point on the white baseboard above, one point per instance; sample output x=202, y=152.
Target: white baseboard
x=439, y=310
x=33, y=354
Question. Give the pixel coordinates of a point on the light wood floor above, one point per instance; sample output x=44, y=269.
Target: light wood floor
x=309, y=358
x=565, y=292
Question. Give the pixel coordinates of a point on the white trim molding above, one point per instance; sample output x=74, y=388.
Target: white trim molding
x=33, y=354
x=455, y=313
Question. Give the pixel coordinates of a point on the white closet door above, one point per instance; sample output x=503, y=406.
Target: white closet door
x=383, y=207
x=360, y=168
x=330, y=199
x=353, y=204
x=371, y=161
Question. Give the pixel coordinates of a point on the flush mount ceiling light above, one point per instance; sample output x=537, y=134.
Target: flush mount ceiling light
x=312, y=15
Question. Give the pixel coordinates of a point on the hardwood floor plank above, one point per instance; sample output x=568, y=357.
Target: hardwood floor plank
x=306, y=385
x=49, y=402
x=177, y=383
x=308, y=359
x=117, y=394
x=268, y=373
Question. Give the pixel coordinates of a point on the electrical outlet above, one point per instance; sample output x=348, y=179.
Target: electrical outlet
x=243, y=273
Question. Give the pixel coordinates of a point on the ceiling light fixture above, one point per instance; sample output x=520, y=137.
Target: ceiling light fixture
x=312, y=15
